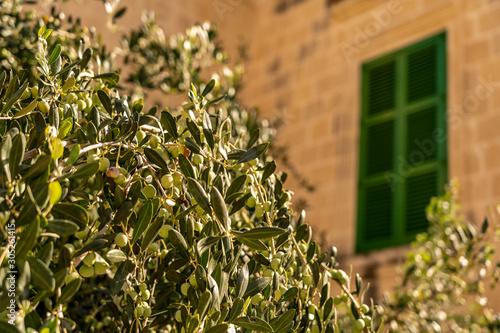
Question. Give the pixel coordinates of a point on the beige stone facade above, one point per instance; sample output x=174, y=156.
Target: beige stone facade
x=305, y=59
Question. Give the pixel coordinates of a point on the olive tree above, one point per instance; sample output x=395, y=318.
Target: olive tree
x=127, y=219
x=447, y=276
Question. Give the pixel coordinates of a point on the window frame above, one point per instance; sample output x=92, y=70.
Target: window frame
x=400, y=113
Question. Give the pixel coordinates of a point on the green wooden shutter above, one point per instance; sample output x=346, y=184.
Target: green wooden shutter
x=422, y=73
x=403, y=127
x=382, y=86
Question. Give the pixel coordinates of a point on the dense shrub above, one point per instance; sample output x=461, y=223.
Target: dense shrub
x=128, y=222
x=447, y=276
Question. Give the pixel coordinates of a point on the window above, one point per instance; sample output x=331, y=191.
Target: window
x=403, y=157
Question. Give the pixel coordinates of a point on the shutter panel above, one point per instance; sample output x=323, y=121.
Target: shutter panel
x=381, y=88
x=420, y=145
x=378, y=213
x=379, y=147
x=422, y=73
x=404, y=102
x=419, y=190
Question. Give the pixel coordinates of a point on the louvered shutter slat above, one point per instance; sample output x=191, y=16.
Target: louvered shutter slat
x=422, y=73
x=378, y=203
x=421, y=146
x=381, y=88
x=379, y=147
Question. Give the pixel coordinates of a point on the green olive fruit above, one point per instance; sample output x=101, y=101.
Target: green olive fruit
x=359, y=324
x=174, y=151
x=123, y=171
x=145, y=295
x=192, y=280
x=120, y=180
x=344, y=298
x=267, y=206
x=364, y=308
x=251, y=202
x=88, y=102
x=268, y=273
x=86, y=271
x=167, y=180
x=147, y=312
x=311, y=309
x=259, y=211
x=139, y=311
x=278, y=254
x=178, y=316
x=154, y=141
x=81, y=105
x=26, y=94
x=91, y=158
x=101, y=267
x=89, y=259
x=275, y=263
x=198, y=226
x=163, y=212
x=43, y=106
x=164, y=230
x=143, y=287
x=177, y=179
x=253, y=162
x=163, y=253
x=185, y=287
x=153, y=248
x=71, y=98
x=303, y=294
x=70, y=247
x=121, y=239
x=149, y=191
x=34, y=92
x=337, y=300
x=140, y=135
x=303, y=247
x=104, y=164
x=307, y=280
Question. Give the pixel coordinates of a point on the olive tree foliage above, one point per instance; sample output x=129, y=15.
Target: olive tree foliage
x=447, y=276
x=153, y=64
x=126, y=222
